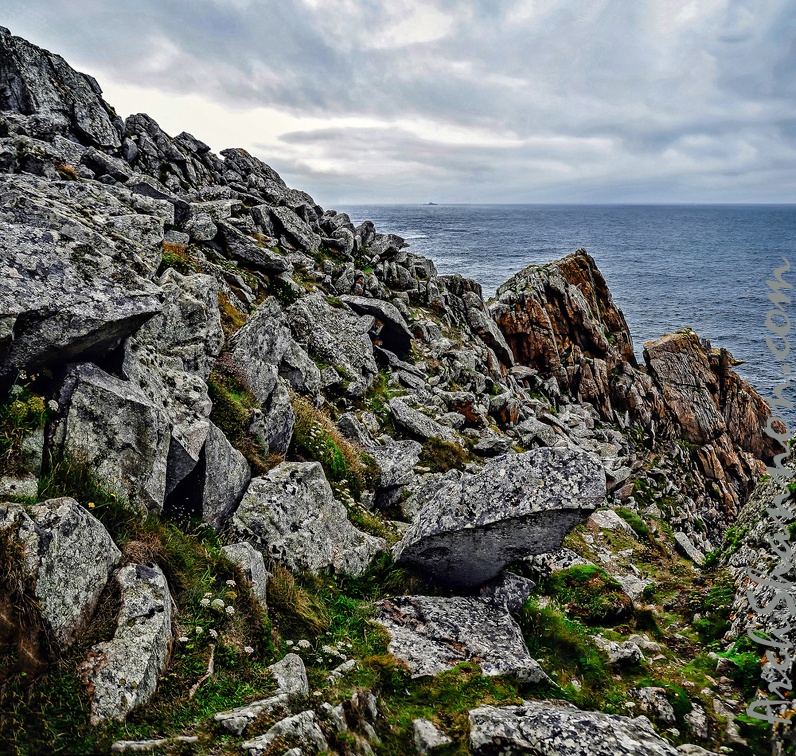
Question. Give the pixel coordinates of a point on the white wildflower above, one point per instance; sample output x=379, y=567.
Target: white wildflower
x=16, y=390
x=213, y=633
x=217, y=604
x=248, y=650
x=52, y=405
x=289, y=643
x=199, y=629
x=304, y=644
x=230, y=610
x=230, y=583
x=205, y=602
x=183, y=639
x=208, y=595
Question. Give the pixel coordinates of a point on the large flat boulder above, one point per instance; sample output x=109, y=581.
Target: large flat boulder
x=432, y=634
x=516, y=506
x=68, y=289
x=417, y=424
x=124, y=672
x=557, y=728
x=292, y=515
x=68, y=557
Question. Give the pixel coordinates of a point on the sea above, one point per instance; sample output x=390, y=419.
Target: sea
x=667, y=266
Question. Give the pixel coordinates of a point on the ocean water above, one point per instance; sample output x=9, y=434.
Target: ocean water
x=666, y=266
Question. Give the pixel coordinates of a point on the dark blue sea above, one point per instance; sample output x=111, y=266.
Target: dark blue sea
x=667, y=266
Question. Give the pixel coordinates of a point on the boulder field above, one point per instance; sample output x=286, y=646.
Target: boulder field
x=271, y=485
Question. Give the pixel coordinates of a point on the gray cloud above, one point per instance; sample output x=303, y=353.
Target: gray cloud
x=530, y=100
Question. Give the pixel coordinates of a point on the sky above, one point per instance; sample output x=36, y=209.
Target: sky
x=458, y=101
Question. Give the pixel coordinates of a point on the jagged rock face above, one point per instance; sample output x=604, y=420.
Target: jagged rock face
x=68, y=557
x=517, y=505
x=224, y=477
x=67, y=290
x=302, y=728
x=38, y=82
x=393, y=332
x=561, y=319
x=293, y=516
x=557, y=728
x=124, y=672
x=115, y=429
x=433, y=634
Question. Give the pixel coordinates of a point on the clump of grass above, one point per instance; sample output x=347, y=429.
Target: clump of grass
x=441, y=456
x=232, y=319
x=348, y=468
x=176, y=256
x=23, y=413
x=635, y=522
x=562, y=645
x=589, y=593
x=66, y=171
x=233, y=403
x=714, y=607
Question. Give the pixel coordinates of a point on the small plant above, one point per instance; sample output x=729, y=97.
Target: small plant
x=441, y=456
x=348, y=469
x=176, y=256
x=589, y=593
x=66, y=171
x=635, y=522
x=23, y=413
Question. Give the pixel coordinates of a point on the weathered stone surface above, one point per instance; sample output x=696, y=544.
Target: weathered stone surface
x=21, y=487
x=626, y=652
x=687, y=547
x=114, y=428
x=66, y=291
x=607, y=519
x=544, y=565
x=150, y=745
x=249, y=251
x=68, y=557
x=655, y=702
x=224, y=477
x=124, y=672
x=292, y=514
x=291, y=679
x=336, y=336
x=516, y=506
x=396, y=462
x=427, y=737
x=553, y=316
x=302, y=727
x=557, y=728
x=264, y=349
x=395, y=334
x=433, y=634
x=42, y=83
x=169, y=359
x=297, y=231
x=417, y=423
x=509, y=590
x=252, y=565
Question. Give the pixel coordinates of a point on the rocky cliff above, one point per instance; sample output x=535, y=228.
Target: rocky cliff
x=273, y=484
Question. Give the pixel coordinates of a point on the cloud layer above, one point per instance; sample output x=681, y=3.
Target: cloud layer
x=466, y=101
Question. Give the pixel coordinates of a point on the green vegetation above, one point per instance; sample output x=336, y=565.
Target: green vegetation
x=713, y=607
x=441, y=456
x=176, y=256
x=589, y=593
x=23, y=414
x=349, y=470
x=635, y=522
x=233, y=402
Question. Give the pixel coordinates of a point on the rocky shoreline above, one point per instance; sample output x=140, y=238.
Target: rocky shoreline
x=273, y=485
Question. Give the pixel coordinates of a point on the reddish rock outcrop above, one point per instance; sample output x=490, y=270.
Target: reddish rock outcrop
x=561, y=320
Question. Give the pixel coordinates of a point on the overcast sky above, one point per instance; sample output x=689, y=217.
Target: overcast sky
x=459, y=101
